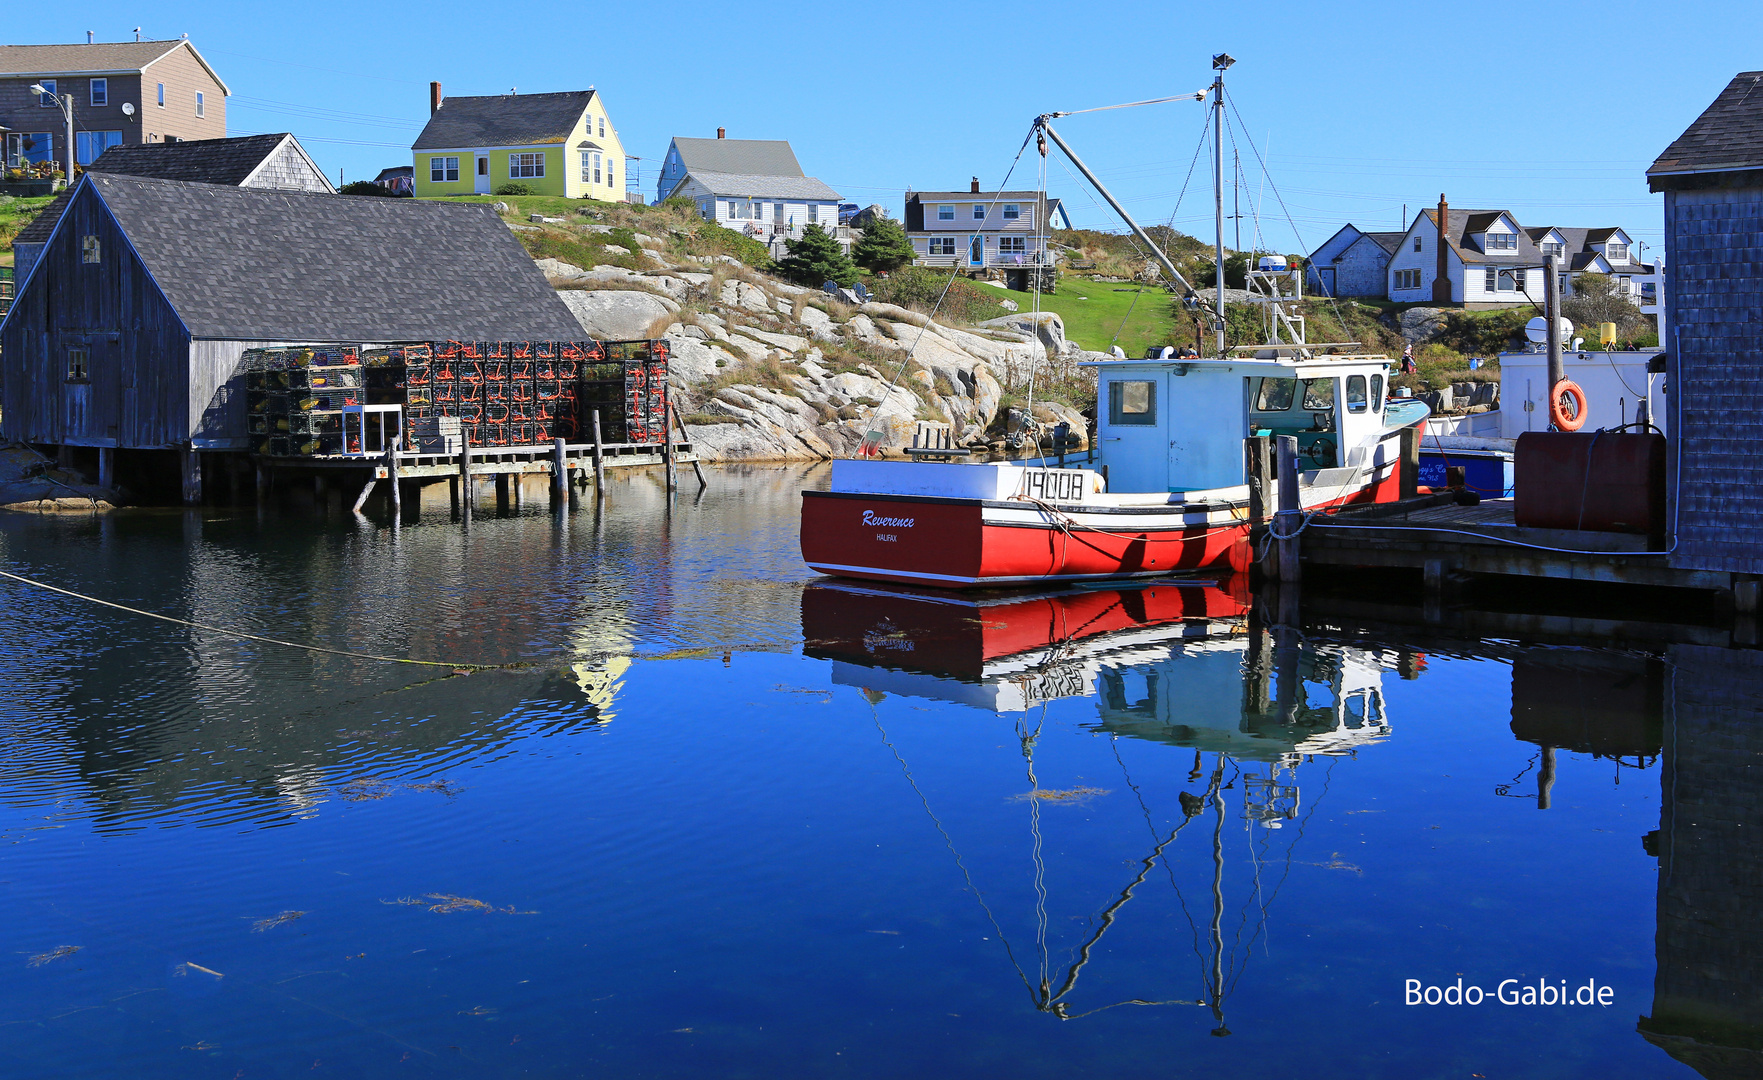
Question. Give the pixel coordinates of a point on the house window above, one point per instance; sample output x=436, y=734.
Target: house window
x=813, y=213
x=1417, y=243
x=941, y=245
x=91, y=250
x=520, y=165
x=1616, y=252
x=587, y=167
x=945, y=213
x=29, y=148
x=79, y=363
x=1357, y=400
x=1562, y=284
x=201, y=104
x=47, y=98
x=602, y=127
x=1552, y=248
x=1132, y=402
x=1518, y=279
x=1012, y=245
x=1407, y=279
x=443, y=169
x=1490, y=280
x=162, y=95
x=1495, y=241
x=1012, y=212
x=979, y=211
x=609, y=182
x=89, y=146
x=100, y=92
x=596, y=168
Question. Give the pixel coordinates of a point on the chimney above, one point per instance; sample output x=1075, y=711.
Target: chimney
x=88, y=37
x=1441, y=282
x=435, y=98
x=973, y=189
x=722, y=133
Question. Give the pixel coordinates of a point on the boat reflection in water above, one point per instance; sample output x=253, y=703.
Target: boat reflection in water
x=1179, y=663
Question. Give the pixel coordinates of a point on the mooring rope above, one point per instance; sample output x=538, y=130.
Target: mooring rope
x=259, y=637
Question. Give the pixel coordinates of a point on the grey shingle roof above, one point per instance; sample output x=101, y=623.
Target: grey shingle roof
x=503, y=120
x=1727, y=136
x=203, y=161
x=973, y=196
x=1465, y=223
x=749, y=157
x=67, y=59
x=1389, y=241
x=754, y=186
x=96, y=59
x=254, y=264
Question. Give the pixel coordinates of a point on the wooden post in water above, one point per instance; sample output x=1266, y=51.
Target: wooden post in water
x=501, y=493
x=697, y=466
x=453, y=492
x=262, y=482
x=190, y=469
x=559, y=474
x=1546, y=778
x=599, y=459
x=392, y=477
x=465, y=492
x=366, y=490
x=1290, y=518
x=667, y=449
x=106, y=467
x=1258, y=462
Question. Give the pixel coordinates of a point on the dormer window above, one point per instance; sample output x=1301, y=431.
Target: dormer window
x=1499, y=241
x=1551, y=247
x=1616, y=252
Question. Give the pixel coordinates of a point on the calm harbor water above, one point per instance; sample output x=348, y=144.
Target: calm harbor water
x=731, y=821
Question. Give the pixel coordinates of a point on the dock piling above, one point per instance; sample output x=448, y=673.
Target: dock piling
x=697, y=466
x=392, y=477
x=1290, y=518
x=559, y=474
x=599, y=459
x=465, y=491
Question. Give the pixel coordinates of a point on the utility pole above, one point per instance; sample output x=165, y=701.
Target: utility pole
x=1220, y=63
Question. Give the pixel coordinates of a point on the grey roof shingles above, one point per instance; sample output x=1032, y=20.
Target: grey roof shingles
x=764, y=186
x=253, y=264
x=68, y=59
x=748, y=157
x=1389, y=241
x=1728, y=136
x=503, y=120
x=1465, y=223
x=202, y=161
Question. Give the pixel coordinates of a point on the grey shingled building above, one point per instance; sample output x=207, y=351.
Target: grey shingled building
x=1712, y=179
x=128, y=332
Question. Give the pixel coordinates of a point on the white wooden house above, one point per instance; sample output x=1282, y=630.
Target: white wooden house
x=1485, y=259
x=754, y=186
x=980, y=231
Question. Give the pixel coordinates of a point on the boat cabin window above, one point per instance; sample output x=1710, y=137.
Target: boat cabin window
x=1318, y=394
x=1132, y=401
x=1376, y=393
x=1276, y=395
x=1356, y=399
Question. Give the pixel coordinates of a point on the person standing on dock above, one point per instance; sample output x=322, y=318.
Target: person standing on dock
x=1409, y=367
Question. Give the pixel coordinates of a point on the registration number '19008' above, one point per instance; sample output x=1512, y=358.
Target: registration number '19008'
x=1054, y=485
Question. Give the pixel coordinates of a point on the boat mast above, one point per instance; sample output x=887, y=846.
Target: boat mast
x=1219, y=64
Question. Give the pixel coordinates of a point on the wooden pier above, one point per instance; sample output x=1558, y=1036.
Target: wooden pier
x=1448, y=544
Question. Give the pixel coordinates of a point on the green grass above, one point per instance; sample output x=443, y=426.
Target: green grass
x=14, y=216
x=1094, y=310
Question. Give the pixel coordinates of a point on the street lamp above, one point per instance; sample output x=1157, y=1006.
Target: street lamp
x=66, y=103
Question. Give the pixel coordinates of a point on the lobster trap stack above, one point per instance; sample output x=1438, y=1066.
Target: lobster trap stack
x=294, y=399
x=511, y=393
x=628, y=385
x=402, y=375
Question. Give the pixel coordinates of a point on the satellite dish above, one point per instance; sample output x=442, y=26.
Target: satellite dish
x=128, y=108
x=1535, y=331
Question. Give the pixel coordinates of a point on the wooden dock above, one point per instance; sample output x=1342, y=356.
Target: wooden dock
x=491, y=460
x=1446, y=542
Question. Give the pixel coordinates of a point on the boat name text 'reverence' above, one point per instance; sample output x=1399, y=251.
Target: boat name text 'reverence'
x=869, y=518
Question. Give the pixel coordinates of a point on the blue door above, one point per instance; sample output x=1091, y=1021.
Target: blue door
x=976, y=251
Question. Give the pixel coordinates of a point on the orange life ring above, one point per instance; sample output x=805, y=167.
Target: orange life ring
x=1558, y=416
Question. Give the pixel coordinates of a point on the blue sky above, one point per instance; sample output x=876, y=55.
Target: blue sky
x=1551, y=110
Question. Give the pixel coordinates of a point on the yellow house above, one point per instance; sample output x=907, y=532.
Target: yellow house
x=555, y=144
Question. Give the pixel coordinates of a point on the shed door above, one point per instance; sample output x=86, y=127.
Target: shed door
x=1325, y=274
x=86, y=366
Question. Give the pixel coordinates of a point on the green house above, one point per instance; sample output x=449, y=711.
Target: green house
x=556, y=144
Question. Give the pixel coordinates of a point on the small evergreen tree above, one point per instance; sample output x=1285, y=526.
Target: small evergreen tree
x=816, y=259
x=884, y=246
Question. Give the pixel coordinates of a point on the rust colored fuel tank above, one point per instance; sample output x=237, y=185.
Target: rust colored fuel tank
x=1596, y=480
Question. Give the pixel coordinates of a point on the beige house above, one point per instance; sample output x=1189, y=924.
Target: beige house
x=124, y=93
x=980, y=231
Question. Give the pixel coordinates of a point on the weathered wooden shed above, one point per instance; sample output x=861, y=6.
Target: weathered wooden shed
x=127, y=333
x=1712, y=178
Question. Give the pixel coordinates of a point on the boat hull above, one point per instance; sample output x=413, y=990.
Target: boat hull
x=978, y=543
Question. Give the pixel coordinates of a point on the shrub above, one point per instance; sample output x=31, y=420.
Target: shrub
x=816, y=259
x=919, y=287
x=884, y=246
x=515, y=187
x=363, y=187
